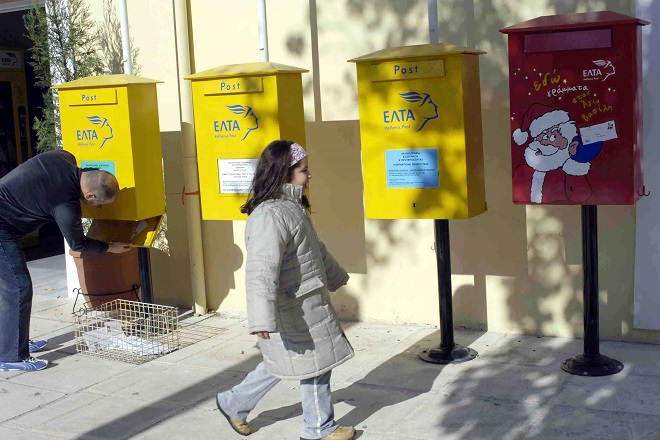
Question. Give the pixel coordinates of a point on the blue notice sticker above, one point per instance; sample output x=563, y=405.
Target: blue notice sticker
x=103, y=165
x=412, y=168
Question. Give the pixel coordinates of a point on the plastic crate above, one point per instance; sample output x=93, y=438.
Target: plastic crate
x=127, y=331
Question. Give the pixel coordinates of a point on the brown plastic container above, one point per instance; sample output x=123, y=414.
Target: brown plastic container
x=106, y=277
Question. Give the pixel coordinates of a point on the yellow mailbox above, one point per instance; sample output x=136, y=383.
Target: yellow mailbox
x=239, y=109
x=420, y=125
x=111, y=123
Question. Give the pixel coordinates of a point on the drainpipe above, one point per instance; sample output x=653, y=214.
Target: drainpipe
x=144, y=259
x=433, y=21
x=125, y=38
x=189, y=155
x=263, y=30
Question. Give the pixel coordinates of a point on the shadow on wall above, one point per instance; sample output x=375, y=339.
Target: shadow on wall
x=523, y=272
x=222, y=254
x=172, y=286
x=337, y=198
x=220, y=271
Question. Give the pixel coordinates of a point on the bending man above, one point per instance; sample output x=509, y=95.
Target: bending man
x=49, y=187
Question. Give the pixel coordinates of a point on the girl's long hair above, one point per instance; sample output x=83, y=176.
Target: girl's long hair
x=273, y=172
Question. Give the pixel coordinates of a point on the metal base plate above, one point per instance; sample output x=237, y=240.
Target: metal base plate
x=598, y=365
x=454, y=356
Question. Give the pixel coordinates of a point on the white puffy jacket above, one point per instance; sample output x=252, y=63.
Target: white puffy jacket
x=289, y=277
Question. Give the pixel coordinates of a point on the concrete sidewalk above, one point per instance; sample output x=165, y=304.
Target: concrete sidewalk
x=515, y=389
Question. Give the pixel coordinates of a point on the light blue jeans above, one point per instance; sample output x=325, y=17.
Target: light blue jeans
x=318, y=413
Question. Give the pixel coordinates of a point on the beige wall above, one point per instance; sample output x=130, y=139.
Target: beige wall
x=516, y=269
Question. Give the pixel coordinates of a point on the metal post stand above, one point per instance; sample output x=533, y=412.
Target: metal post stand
x=591, y=363
x=448, y=352
x=145, y=275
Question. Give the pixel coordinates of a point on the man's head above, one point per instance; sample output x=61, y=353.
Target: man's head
x=98, y=187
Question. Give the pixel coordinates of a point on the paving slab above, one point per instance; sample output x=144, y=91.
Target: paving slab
x=17, y=399
x=41, y=303
x=637, y=358
x=109, y=417
x=193, y=423
x=563, y=422
x=487, y=379
x=236, y=328
x=533, y=350
x=53, y=411
x=405, y=371
x=190, y=350
x=49, y=276
x=60, y=312
x=237, y=355
x=164, y=383
x=41, y=326
x=62, y=340
x=73, y=373
x=10, y=434
x=463, y=416
x=375, y=410
x=623, y=393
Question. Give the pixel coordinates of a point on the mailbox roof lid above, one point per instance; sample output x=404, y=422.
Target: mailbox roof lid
x=250, y=69
x=417, y=51
x=573, y=21
x=105, y=81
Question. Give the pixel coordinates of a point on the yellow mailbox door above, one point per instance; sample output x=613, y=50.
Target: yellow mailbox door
x=420, y=127
x=239, y=109
x=111, y=123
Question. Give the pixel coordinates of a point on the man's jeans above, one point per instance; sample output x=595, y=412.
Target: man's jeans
x=318, y=413
x=15, y=300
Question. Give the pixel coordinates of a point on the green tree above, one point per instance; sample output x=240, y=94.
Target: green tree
x=66, y=47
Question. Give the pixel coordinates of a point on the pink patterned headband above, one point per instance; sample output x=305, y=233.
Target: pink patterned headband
x=297, y=154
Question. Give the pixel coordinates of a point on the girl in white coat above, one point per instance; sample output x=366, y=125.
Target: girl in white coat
x=289, y=277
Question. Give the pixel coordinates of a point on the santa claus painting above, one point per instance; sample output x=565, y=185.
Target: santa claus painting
x=555, y=157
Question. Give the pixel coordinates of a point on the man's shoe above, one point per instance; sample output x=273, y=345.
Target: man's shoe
x=29, y=364
x=37, y=345
x=243, y=428
x=341, y=433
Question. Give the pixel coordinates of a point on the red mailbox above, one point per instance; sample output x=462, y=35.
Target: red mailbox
x=576, y=109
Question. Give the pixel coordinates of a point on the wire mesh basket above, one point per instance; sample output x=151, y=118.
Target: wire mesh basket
x=127, y=331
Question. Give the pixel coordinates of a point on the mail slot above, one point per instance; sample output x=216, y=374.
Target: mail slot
x=420, y=127
x=239, y=109
x=576, y=109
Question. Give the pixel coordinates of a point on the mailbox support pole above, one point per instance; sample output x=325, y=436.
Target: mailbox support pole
x=591, y=362
x=448, y=352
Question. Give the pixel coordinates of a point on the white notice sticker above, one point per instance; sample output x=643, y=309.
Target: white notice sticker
x=598, y=133
x=236, y=175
